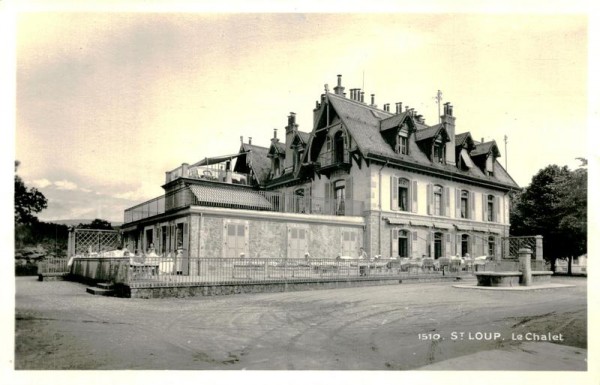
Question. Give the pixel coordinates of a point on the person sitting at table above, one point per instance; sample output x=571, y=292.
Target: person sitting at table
x=362, y=254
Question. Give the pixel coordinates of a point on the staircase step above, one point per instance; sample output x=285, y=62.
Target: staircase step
x=105, y=285
x=99, y=291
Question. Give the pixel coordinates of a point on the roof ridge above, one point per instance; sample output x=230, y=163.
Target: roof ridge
x=362, y=104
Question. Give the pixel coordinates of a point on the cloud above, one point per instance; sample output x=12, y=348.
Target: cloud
x=40, y=183
x=65, y=185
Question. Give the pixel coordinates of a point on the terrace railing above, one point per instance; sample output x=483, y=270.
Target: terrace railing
x=161, y=271
x=145, y=210
x=53, y=265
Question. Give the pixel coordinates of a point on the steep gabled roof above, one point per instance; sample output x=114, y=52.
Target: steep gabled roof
x=304, y=136
x=485, y=148
x=255, y=159
x=461, y=138
x=361, y=123
x=394, y=121
x=277, y=147
x=429, y=132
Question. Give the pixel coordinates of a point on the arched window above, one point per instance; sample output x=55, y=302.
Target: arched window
x=339, y=147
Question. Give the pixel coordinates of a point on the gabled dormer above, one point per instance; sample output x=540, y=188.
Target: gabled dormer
x=432, y=141
x=298, y=149
x=277, y=155
x=253, y=160
x=463, y=147
x=484, y=155
x=397, y=131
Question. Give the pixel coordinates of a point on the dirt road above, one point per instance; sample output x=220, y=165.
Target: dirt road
x=400, y=327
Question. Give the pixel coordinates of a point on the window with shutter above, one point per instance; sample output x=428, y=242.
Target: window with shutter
x=446, y=199
x=394, y=243
x=497, y=207
x=457, y=203
x=484, y=213
x=414, y=205
x=429, y=199
x=472, y=205
x=394, y=192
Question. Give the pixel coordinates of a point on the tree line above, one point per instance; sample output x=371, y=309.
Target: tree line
x=31, y=232
x=554, y=205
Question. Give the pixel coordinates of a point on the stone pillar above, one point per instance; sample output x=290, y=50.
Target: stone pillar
x=70, y=243
x=525, y=265
x=539, y=248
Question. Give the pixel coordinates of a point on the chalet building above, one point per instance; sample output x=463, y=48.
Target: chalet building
x=362, y=177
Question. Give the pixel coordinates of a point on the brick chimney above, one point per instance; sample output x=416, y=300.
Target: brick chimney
x=249, y=140
x=290, y=131
x=398, y=108
x=448, y=121
x=339, y=90
x=362, y=96
x=373, y=100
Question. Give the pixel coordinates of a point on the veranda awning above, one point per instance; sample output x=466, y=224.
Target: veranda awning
x=228, y=197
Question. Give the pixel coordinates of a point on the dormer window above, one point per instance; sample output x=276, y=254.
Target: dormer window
x=489, y=165
x=438, y=152
x=297, y=157
x=276, y=167
x=402, y=145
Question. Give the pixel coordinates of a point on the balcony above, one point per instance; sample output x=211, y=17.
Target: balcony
x=330, y=161
x=214, y=173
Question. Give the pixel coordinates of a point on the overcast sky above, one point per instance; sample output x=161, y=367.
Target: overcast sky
x=106, y=103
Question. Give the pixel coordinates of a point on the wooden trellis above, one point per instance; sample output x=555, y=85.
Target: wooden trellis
x=86, y=241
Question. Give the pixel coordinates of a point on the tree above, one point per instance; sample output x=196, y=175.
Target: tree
x=572, y=209
x=554, y=205
x=28, y=201
x=99, y=224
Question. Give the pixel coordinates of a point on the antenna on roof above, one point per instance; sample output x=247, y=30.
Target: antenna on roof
x=438, y=100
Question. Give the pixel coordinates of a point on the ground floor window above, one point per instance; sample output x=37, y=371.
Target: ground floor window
x=148, y=240
x=464, y=245
x=403, y=244
x=163, y=240
x=438, y=245
x=491, y=246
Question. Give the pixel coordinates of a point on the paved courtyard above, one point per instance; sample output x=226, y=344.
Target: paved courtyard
x=394, y=327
